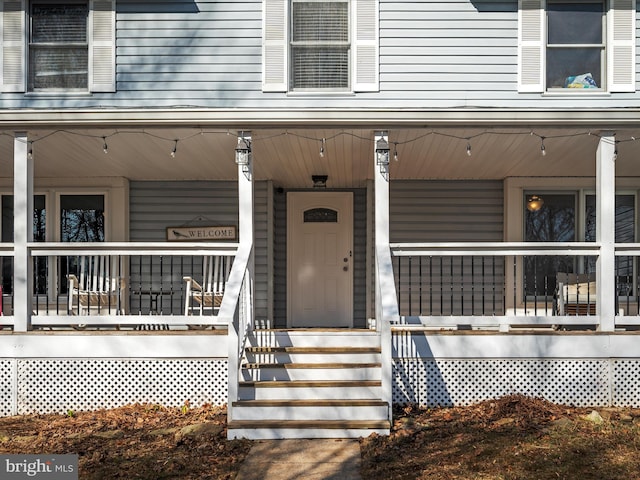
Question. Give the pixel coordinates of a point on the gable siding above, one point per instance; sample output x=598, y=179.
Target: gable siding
x=207, y=54
x=154, y=206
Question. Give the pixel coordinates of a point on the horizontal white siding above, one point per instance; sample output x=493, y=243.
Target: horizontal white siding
x=184, y=53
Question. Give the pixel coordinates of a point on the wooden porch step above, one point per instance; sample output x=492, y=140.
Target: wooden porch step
x=313, y=349
x=310, y=365
x=311, y=403
x=311, y=383
x=314, y=424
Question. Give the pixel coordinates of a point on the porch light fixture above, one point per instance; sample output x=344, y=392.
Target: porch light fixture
x=319, y=181
x=105, y=147
x=534, y=203
x=243, y=151
x=175, y=149
x=382, y=154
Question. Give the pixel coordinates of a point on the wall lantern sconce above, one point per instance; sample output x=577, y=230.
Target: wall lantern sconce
x=382, y=154
x=534, y=203
x=243, y=151
x=319, y=181
x=243, y=155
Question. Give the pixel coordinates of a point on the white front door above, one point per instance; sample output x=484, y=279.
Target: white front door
x=320, y=259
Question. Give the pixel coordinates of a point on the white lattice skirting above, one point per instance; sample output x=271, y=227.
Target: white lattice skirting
x=581, y=383
x=56, y=386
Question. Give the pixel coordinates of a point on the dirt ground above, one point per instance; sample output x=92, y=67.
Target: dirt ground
x=513, y=437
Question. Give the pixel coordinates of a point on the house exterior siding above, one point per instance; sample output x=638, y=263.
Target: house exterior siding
x=155, y=206
x=199, y=54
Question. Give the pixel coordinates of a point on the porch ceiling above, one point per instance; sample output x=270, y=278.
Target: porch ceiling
x=290, y=157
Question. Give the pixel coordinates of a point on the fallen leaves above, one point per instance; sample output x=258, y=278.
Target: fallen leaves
x=133, y=442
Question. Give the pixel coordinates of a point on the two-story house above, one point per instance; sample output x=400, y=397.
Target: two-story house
x=311, y=210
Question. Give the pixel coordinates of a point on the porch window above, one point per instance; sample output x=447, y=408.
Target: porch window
x=576, y=46
x=39, y=235
x=66, y=46
x=625, y=227
x=81, y=220
x=320, y=45
x=554, y=222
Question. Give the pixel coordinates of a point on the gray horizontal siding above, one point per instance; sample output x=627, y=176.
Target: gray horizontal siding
x=185, y=53
x=448, y=211
x=154, y=206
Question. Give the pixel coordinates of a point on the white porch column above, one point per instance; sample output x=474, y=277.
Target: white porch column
x=235, y=332
x=605, y=231
x=22, y=232
x=385, y=295
x=245, y=190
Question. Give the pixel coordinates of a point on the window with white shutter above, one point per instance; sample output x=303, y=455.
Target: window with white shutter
x=320, y=45
x=576, y=45
x=58, y=46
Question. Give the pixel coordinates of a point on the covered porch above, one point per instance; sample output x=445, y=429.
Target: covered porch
x=416, y=282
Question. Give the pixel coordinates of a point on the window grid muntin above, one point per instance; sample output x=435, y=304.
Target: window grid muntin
x=316, y=51
x=601, y=81
x=77, y=45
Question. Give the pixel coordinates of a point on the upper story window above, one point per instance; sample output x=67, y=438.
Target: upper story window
x=320, y=46
x=58, y=46
x=576, y=46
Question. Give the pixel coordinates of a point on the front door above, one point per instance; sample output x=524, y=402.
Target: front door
x=320, y=259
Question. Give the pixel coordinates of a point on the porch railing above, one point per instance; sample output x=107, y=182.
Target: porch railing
x=148, y=285
x=492, y=285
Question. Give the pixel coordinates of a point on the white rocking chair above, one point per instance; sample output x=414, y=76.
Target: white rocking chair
x=98, y=288
x=206, y=298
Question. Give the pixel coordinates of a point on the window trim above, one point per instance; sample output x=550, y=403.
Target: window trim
x=15, y=43
x=31, y=46
x=364, y=38
x=620, y=19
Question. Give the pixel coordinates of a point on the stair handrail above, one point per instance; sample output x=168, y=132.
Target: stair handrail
x=387, y=312
x=237, y=304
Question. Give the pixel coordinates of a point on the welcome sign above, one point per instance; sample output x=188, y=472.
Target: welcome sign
x=201, y=234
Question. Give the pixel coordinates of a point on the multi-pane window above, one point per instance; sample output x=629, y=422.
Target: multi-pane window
x=320, y=47
x=554, y=222
x=575, y=49
x=557, y=221
x=58, y=46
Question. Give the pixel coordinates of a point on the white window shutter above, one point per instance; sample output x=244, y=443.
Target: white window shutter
x=531, y=43
x=366, y=72
x=621, y=44
x=102, y=46
x=13, y=39
x=274, y=45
